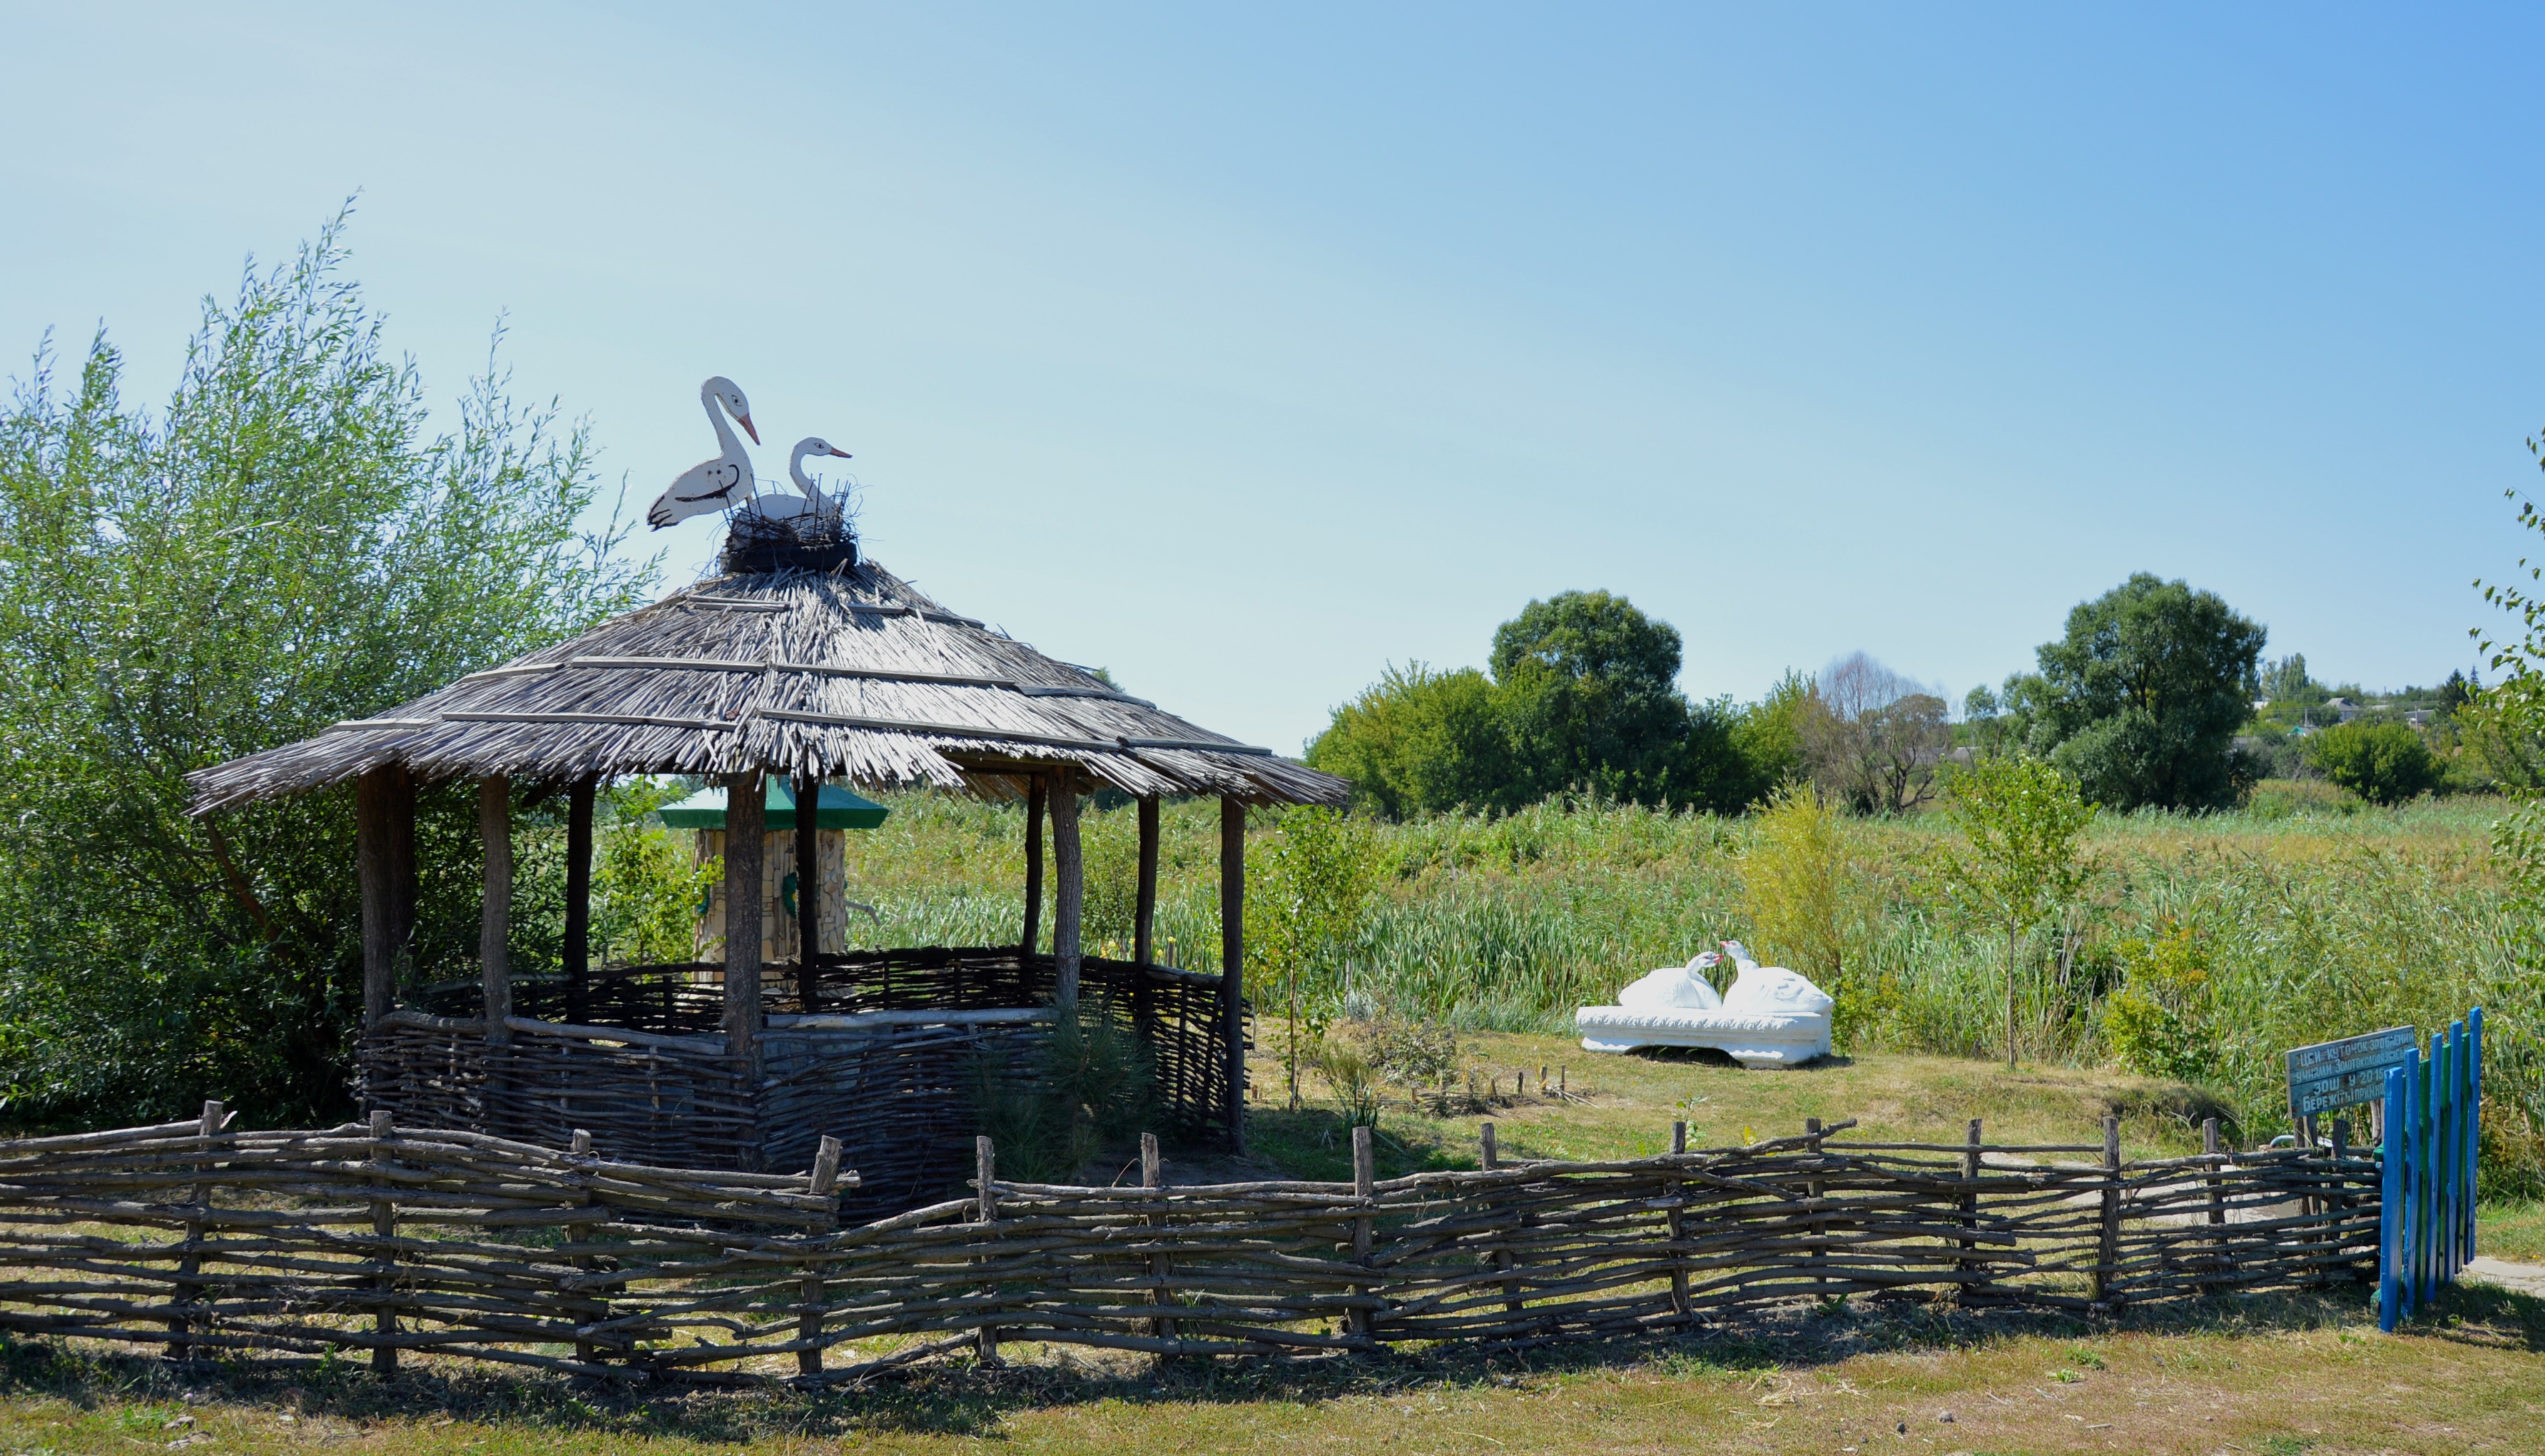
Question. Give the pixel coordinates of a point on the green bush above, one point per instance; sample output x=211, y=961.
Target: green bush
x=2382, y=763
x=1094, y=1085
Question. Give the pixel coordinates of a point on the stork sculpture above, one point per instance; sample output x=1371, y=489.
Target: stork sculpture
x=712, y=485
x=814, y=502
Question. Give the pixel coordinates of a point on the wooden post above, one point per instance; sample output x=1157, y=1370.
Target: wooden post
x=2216, y=1256
x=824, y=1178
x=1069, y=889
x=1814, y=1190
x=2337, y=1203
x=495, y=917
x=1034, y=865
x=985, y=1165
x=1490, y=1155
x=1232, y=964
x=578, y=899
x=1144, y=918
x=2107, y=1245
x=1144, y=913
x=1364, y=1189
x=401, y=840
x=744, y=817
x=1151, y=1175
x=385, y=1322
x=808, y=890
x=1971, y=1210
x=191, y=1263
x=584, y=1349
x=375, y=863
x=1677, y=1195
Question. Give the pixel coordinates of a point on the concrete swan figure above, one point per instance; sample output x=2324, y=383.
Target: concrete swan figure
x=712, y=485
x=1770, y=1017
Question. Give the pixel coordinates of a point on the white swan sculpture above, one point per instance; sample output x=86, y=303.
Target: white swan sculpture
x=712, y=485
x=1770, y=1017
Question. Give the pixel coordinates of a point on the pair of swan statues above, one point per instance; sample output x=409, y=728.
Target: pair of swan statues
x=1769, y=1017
x=726, y=481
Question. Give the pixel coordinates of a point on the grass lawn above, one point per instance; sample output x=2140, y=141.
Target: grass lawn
x=2293, y=1373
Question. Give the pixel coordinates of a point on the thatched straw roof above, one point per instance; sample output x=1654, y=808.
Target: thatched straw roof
x=848, y=674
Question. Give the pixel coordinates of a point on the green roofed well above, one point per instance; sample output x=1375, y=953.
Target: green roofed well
x=839, y=809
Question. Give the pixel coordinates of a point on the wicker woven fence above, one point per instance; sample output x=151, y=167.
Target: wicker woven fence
x=197, y=1238
x=887, y=1059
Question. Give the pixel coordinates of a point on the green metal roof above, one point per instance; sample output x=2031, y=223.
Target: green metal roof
x=839, y=809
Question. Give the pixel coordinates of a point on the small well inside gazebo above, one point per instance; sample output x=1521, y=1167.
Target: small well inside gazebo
x=827, y=672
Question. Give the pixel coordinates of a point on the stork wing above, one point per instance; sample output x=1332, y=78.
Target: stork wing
x=709, y=486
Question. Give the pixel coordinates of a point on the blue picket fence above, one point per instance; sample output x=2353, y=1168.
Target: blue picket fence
x=2434, y=1106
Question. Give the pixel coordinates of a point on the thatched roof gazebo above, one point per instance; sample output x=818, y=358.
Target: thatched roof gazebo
x=840, y=672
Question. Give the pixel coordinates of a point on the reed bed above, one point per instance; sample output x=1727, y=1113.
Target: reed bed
x=197, y=1238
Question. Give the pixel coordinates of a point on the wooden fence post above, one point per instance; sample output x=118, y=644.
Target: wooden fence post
x=581, y=1147
x=1676, y=1194
x=822, y=1179
x=1366, y=1190
x=985, y=1163
x=1970, y=1261
x=1151, y=1175
x=2215, y=1260
x=384, y=1323
x=2337, y=1202
x=191, y=1263
x=2107, y=1242
x=2392, y=1117
x=1815, y=1189
x=1491, y=1157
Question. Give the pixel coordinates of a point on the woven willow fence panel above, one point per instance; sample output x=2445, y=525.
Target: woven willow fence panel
x=458, y=1244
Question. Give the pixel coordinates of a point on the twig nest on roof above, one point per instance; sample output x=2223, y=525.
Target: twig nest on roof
x=806, y=541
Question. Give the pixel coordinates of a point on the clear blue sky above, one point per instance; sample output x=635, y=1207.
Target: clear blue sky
x=1245, y=350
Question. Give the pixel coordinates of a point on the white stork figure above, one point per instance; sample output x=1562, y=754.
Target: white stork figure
x=712, y=485
x=782, y=508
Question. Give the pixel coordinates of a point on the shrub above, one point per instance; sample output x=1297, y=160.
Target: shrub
x=1094, y=1084
x=2382, y=763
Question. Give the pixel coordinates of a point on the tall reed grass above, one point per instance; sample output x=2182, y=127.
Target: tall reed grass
x=2205, y=947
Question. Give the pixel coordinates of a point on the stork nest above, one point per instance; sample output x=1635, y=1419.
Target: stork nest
x=818, y=541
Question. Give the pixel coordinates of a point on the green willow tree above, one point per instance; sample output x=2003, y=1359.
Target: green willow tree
x=2019, y=859
x=287, y=543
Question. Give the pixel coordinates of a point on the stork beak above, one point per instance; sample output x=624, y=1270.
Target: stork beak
x=749, y=428
x=843, y=454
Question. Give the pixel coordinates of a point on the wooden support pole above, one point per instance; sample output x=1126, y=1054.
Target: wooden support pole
x=1677, y=1220
x=1232, y=965
x=824, y=1178
x=2107, y=1244
x=579, y=797
x=385, y=1322
x=1364, y=1230
x=745, y=820
x=985, y=1166
x=808, y=890
x=1152, y=1172
x=401, y=846
x=495, y=914
x=1144, y=911
x=1034, y=793
x=1069, y=889
x=374, y=863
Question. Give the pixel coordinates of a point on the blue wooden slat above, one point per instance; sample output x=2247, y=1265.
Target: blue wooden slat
x=2390, y=1203
x=2474, y=1121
